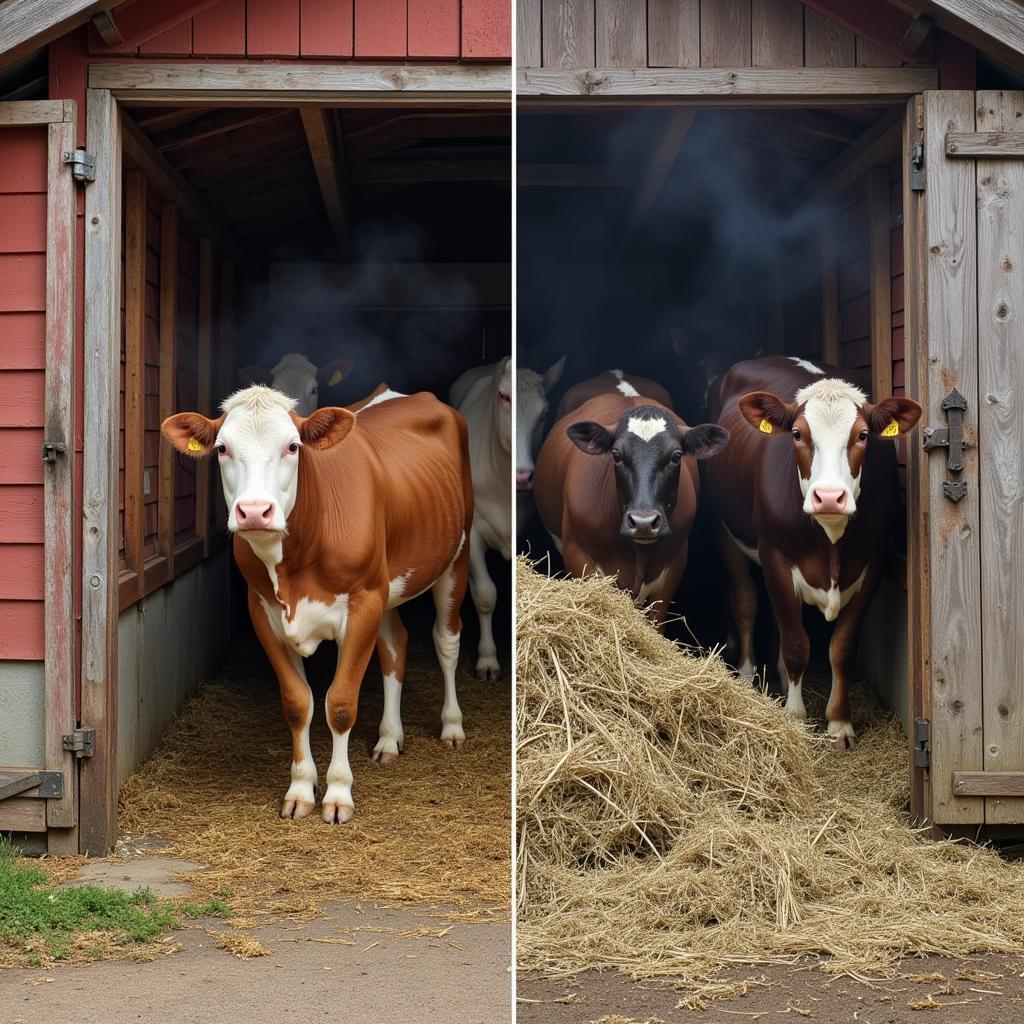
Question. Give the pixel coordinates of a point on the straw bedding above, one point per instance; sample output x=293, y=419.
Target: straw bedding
x=433, y=827
x=673, y=821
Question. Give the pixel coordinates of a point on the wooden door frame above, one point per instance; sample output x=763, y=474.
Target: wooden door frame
x=59, y=816
x=109, y=138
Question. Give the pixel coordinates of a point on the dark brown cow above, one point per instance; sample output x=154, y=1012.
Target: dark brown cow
x=338, y=518
x=612, y=382
x=807, y=488
x=617, y=486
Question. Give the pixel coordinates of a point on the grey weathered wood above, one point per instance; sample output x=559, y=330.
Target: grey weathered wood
x=880, y=257
x=777, y=34
x=1000, y=199
x=953, y=529
x=34, y=112
x=802, y=85
x=871, y=56
x=27, y=25
x=568, y=33
x=106, y=26
x=990, y=143
x=330, y=170
x=230, y=83
x=1002, y=788
x=22, y=814
x=98, y=801
x=725, y=34
x=994, y=26
x=826, y=44
x=673, y=33
x=621, y=33
x=58, y=489
x=528, y=34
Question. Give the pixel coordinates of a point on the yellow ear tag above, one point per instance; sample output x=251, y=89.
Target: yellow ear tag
x=194, y=446
x=765, y=427
x=335, y=379
x=892, y=430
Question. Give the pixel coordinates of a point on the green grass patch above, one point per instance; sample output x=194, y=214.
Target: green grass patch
x=50, y=923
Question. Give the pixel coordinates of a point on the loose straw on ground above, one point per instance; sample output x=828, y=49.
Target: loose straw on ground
x=674, y=821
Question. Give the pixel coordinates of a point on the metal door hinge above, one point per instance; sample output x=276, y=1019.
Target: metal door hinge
x=51, y=449
x=922, y=743
x=917, y=175
x=82, y=163
x=80, y=742
x=954, y=405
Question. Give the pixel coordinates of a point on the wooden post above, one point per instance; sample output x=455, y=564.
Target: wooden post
x=829, y=293
x=203, y=381
x=880, y=247
x=168, y=376
x=134, y=383
x=98, y=801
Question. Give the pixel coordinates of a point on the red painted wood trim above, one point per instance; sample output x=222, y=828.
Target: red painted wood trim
x=23, y=217
x=433, y=29
x=20, y=460
x=21, y=572
x=23, y=167
x=22, y=638
x=22, y=282
x=220, y=31
x=380, y=28
x=272, y=28
x=23, y=398
x=24, y=341
x=486, y=30
x=325, y=28
x=21, y=514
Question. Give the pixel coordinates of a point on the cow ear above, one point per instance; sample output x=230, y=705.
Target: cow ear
x=334, y=372
x=325, y=428
x=553, y=374
x=590, y=437
x=192, y=433
x=703, y=441
x=892, y=416
x=768, y=413
x=249, y=375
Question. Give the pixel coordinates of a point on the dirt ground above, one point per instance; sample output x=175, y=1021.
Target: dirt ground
x=937, y=990
x=356, y=963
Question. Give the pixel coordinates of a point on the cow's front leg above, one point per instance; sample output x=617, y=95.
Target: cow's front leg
x=485, y=597
x=840, y=650
x=794, y=644
x=355, y=647
x=297, y=702
x=448, y=593
x=392, y=643
x=742, y=600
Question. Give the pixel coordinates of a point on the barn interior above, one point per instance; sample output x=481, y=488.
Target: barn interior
x=674, y=241
x=377, y=235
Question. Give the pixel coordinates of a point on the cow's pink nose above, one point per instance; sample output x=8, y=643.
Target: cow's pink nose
x=828, y=501
x=524, y=479
x=254, y=515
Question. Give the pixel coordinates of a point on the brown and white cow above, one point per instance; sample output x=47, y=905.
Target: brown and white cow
x=806, y=488
x=617, y=488
x=338, y=518
x=295, y=376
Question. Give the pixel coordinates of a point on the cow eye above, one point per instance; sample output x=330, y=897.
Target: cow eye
x=293, y=447
x=221, y=449
x=797, y=435
x=862, y=436
x=315, y=391
x=616, y=456
x=677, y=457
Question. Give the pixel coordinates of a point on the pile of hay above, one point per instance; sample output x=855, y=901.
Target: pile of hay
x=674, y=821
x=431, y=828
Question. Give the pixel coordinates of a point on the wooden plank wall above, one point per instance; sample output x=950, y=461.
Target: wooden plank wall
x=469, y=30
x=687, y=34
x=23, y=187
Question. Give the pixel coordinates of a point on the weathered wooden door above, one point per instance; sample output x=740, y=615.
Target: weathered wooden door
x=965, y=206
x=39, y=778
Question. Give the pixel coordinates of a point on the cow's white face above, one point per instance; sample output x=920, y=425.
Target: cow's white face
x=296, y=377
x=501, y=383
x=830, y=424
x=532, y=391
x=257, y=442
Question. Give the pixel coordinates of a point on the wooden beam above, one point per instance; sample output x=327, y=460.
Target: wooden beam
x=267, y=84
x=879, y=144
x=988, y=784
x=98, y=801
x=107, y=28
x=993, y=26
x=663, y=156
x=329, y=164
x=807, y=85
x=877, y=21
x=27, y=25
x=216, y=123
x=880, y=249
x=168, y=376
x=987, y=144
x=412, y=172
x=204, y=467
x=25, y=112
x=140, y=22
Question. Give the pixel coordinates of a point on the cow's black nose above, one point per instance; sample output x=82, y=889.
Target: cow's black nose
x=644, y=522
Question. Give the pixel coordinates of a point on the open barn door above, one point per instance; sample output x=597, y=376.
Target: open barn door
x=965, y=180
x=39, y=773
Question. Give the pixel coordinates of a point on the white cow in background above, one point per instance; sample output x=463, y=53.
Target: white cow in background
x=483, y=396
x=532, y=390
x=295, y=376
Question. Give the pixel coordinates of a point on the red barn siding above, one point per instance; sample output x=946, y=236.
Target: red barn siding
x=325, y=28
x=272, y=28
x=486, y=29
x=433, y=28
x=187, y=380
x=23, y=154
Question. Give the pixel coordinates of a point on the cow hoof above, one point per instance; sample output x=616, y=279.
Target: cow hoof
x=488, y=670
x=453, y=737
x=842, y=735
x=292, y=810
x=337, y=814
x=384, y=756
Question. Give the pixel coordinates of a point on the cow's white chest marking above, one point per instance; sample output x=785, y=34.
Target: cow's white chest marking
x=651, y=587
x=311, y=622
x=829, y=602
x=644, y=428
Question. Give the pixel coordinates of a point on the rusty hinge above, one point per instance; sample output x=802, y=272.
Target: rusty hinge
x=922, y=743
x=80, y=742
x=51, y=449
x=954, y=405
x=917, y=174
x=82, y=164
